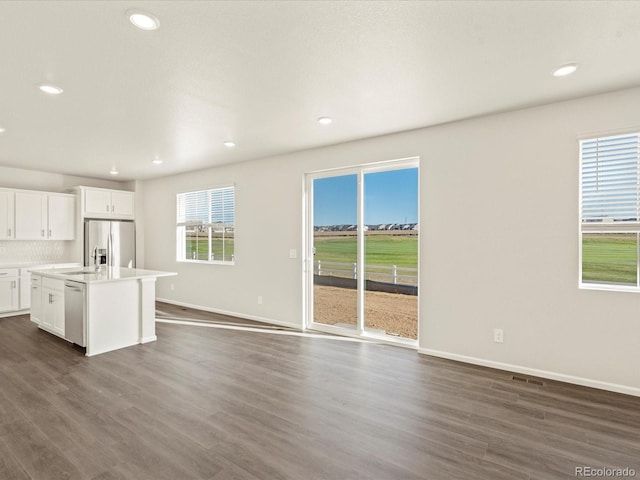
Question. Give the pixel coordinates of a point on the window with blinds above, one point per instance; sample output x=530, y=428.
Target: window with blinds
x=610, y=210
x=206, y=225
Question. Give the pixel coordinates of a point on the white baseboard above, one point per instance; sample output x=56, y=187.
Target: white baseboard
x=14, y=313
x=152, y=338
x=232, y=314
x=534, y=372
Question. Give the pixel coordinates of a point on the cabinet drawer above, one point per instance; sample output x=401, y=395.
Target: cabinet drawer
x=36, y=279
x=8, y=272
x=53, y=284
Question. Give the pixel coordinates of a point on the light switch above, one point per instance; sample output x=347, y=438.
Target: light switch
x=293, y=253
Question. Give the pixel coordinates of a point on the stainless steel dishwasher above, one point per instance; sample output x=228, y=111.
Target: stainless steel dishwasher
x=75, y=313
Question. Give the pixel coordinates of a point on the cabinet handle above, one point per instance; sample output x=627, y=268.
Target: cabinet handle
x=107, y=208
x=13, y=284
x=8, y=232
x=43, y=233
x=49, y=232
x=113, y=208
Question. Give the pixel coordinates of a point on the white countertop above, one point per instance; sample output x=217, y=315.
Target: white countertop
x=41, y=266
x=106, y=274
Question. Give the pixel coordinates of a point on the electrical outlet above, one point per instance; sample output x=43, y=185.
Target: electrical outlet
x=172, y=287
x=293, y=253
x=498, y=335
x=259, y=299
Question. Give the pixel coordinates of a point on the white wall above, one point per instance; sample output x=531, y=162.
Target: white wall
x=51, y=182
x=499, y=241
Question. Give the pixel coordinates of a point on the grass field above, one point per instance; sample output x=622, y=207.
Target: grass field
x=201, y=247
x=379, y=250
x=609, y=258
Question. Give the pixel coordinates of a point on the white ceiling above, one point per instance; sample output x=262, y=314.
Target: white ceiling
x=260, y=73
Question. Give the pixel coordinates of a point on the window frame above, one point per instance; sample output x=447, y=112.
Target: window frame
x=181, y=228
x=607, y=227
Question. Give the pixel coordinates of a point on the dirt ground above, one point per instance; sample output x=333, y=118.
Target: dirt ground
x=394, y=313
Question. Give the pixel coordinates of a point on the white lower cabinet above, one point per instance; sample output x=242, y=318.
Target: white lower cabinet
x=25, y=289
x=52, y=315
x=8, y=290
x=36, y=300
x=57, y=312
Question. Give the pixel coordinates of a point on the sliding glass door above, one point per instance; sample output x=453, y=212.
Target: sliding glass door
x=391, y=252
x=363, y=251
x=335, y=249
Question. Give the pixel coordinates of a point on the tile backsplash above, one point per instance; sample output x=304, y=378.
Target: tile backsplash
x=31, y=253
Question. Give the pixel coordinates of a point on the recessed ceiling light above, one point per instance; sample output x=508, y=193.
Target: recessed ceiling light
x=50, y=89
x=142, y=20
x=229, y=144
x=113, y=171
x=324, y=120
x=2, y=129
x=156, y=161
x=564, y=70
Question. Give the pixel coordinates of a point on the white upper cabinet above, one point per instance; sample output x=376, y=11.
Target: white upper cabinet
x=42, y=216
x=61, y=217
x=31, y=216
x=122, y=204
x=97, y=202
x=7, y=223
x=104, y=203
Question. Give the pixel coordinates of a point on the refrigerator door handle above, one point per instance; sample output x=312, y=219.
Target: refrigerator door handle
x=109, y=254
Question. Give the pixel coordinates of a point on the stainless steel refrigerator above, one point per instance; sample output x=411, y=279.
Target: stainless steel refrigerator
x=115, y=241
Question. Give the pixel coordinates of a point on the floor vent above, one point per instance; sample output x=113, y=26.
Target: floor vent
x=531, y=381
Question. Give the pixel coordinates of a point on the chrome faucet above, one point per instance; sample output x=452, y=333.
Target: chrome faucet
x=96, y=264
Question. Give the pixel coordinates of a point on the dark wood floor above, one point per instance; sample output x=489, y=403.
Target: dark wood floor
x=210, y=403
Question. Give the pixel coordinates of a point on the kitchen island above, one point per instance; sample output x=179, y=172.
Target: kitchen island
x=101, y=310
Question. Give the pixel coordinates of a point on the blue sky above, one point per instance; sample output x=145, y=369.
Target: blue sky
x=390, y=197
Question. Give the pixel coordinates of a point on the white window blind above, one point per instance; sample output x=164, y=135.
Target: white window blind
x=193, y=208
x=222, y=204
x=209, y=208
x=610, y=212
x=206, y=225
x=610, y=188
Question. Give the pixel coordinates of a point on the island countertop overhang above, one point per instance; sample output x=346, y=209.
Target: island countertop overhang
x=88, y=275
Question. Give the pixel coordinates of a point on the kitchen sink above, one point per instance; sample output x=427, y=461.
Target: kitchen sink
x=80, y=272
